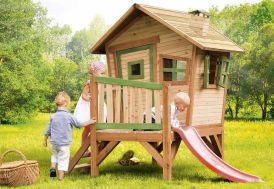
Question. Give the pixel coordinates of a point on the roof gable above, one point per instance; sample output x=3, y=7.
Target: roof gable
x=194, y=28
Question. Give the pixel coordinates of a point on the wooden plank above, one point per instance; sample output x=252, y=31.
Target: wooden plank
x=85, y=167
x=192, y=72
x=157, y=106
x=106, y=151
x=155, y=70
x=136, y=126
x=129, y=135
x=125, y=104
x=136, y=43
x=78, y=155
x=148, y=106
x=131, y=105
x=159, y=19
x=174, y=148
x=109, y=104
x=94, y=168
x=123, y=30
x=117, y=103
x=217, y=151
x=208, y=143
x=101, y=91
x=132, y=83
x=155, y=154
x=140, y=111
x=167, y=167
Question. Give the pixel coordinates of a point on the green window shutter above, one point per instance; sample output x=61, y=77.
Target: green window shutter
x=174, y=74
x=223, y=71
x=206, y=71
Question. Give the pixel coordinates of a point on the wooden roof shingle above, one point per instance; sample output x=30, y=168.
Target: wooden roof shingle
x=195, y=29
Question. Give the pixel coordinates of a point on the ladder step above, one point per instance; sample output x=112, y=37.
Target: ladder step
x=85, y=167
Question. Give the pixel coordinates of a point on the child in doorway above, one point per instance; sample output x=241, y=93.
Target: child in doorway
x=60, y=132
x=82, y=109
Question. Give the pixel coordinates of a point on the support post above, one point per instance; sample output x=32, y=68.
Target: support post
x=94, y=168
x=167, y=162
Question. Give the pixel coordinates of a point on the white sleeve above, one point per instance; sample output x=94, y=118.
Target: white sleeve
x=173, y=116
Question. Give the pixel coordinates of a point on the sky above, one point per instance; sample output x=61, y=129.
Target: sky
x=79, y=13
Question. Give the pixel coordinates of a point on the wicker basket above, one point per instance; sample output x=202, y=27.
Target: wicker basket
x=18, y=173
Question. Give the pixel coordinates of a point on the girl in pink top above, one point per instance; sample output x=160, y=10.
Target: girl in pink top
x=82, y=109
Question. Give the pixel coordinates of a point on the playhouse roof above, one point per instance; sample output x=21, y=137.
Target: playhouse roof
x=195, y=29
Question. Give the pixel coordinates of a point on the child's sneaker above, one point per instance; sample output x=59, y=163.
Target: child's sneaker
x=52, y=172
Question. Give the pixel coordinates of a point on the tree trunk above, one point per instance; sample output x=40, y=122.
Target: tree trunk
x=230, y=111
x=264, y=108
x=237, y=107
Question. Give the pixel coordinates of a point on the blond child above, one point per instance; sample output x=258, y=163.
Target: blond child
x=180, y=103
x=60, y=132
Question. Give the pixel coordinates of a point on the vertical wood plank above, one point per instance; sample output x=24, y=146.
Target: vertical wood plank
x=109, y=104
x=148, y=105
x=137, y=105
x=131, y=105
x=157, y=106
x=140, y=106
x=125, y=104
x=101, y=90
x=192, y=71
x=94, y=168
x=117, y=104
x=166, y=135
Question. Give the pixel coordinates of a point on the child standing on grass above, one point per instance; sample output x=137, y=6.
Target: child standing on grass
x=60, y=132
x=82, y=109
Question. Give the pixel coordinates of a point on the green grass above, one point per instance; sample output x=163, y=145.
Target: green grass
x=248, y=146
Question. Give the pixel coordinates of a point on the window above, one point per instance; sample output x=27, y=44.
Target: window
x=215, y=71
x=136, y=69
x=174, y=70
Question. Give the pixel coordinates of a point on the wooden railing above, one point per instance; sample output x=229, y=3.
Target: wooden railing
x=129, y=103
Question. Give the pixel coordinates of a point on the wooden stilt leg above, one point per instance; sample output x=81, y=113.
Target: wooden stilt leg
x=216, y=145
x=94, y=168
x=167, y=166
x=174, y=148
x=154, y=144
x=221, y=140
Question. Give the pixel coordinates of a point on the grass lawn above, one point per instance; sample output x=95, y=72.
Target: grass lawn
x=248, y=146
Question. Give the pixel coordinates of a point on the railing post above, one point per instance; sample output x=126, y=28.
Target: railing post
x=167, y=165
x=94, y=168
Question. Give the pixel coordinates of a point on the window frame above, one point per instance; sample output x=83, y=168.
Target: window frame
x=220, y=58
x=173, y=58
x=130, y=64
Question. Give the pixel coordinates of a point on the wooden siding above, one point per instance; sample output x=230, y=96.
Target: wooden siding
x=208, y=103
x=170, y=44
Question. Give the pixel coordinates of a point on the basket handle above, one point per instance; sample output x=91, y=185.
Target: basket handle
x=12, y=150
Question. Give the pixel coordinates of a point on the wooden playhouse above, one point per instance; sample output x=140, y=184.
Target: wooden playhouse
x=153, y=53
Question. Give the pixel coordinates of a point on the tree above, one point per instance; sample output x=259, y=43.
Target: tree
x=19, y=56
x=64, y=77
x=233, y=21
x=259, y=82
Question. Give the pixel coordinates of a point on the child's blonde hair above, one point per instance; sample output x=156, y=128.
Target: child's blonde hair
x=182, y=97
x=62, y=98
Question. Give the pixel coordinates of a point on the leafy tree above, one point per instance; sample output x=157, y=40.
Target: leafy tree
x=64, y=72
x=18, y=56
x=259, y=82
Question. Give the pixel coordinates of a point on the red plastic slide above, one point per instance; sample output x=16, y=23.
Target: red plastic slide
x=203, y=153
